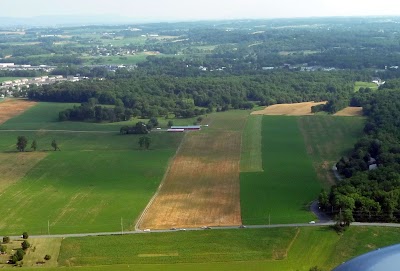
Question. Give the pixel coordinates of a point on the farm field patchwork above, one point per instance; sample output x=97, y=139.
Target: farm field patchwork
x=94, y=181
x=283, y=192
x=328, y=138
x=202, y=185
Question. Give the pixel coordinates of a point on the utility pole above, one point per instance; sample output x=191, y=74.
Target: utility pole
x=48, y=227
x=122, y=226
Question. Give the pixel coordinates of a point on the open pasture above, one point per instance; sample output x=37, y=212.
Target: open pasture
x=202, y=185
x=360, y=84
x=249, y=249
x=295, y=109
x=283, y=192
x=179, y=247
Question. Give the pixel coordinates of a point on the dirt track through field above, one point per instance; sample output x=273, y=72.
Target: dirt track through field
x=12, y=108
x=202, y=185
x=296, y=109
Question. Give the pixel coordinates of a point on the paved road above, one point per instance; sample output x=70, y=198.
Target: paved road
x=322, y=217
x=330, y=223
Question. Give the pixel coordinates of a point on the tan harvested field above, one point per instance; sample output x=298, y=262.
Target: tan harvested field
x=201, y=187
x=12, y=108
x=350, y=112
x=14, y=166
x=296, y=109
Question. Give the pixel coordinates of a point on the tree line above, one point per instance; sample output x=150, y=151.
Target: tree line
x=371, y=188
x=159, y=95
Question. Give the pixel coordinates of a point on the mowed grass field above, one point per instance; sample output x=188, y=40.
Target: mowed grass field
x=283, y=192
x=251, y=155
x=360, y=84
x=327, y=139
x=94, y=181
x=202, y=186
x=284, y=249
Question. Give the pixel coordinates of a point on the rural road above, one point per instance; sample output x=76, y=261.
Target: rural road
x=357, y=224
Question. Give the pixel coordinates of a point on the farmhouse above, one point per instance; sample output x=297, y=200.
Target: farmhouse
x=187, y=128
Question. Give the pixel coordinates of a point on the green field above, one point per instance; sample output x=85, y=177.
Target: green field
x=327, y=139
x=248, y=249
x=360, y=84
x=94, y=181
x=282, y=193
x=251, y=152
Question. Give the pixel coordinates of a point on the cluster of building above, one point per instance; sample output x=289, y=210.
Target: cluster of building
x=9, y=88
x=13, y=67
x=110, y=50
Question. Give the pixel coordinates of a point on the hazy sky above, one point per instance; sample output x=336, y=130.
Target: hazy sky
x=199, y=9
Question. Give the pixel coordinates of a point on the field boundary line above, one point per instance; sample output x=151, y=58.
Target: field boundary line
x=170, y=162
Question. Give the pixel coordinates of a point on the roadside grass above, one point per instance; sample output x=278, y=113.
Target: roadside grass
x=359, y=84
x=251, y=151
x=178, y=247
x=327, y=139
x=211, y=250
x=283, y=192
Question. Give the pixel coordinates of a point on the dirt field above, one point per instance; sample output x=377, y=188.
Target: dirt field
x=202, y=186
x=350, y=112
x=12, y=108
x=296, y=109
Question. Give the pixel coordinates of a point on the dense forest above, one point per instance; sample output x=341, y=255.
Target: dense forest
x=159, y=95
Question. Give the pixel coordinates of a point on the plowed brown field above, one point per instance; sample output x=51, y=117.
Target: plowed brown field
x=202, y=185
x=12, y=108
x=296, y=109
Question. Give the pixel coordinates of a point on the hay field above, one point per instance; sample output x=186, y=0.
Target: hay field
x=296, y=109
x=350, y=112
x=202, y=185
x=12, y=108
